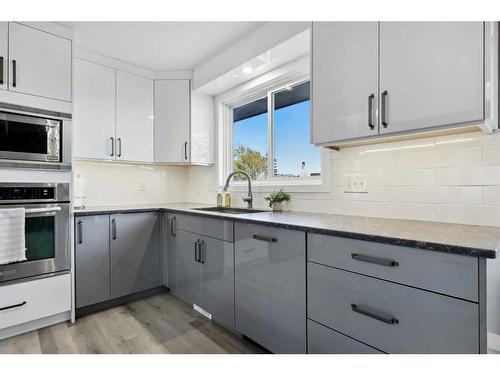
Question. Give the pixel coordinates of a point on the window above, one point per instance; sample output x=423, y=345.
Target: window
x=270, y=136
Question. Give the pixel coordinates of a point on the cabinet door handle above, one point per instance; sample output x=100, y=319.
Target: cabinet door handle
x=375, y=260
x=80, y=231
x=203, y=250
x=185, y=151
x=370, y=111
x=1, y=70
x=383, y=109
x=113, y=229
x=14, y=73
x=172, y=226
x=196, y=250
x=112, y=139
x=264, y=238
x=119, y=140
x=374, y=315
x=13, y=306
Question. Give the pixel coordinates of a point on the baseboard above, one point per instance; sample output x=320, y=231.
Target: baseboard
x=493, y=343
x=34, y=325
x=86, y=310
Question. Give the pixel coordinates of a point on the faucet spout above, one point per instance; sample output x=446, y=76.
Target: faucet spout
x=249, y=198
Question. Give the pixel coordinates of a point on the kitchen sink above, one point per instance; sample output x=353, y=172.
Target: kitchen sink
x=229, y=210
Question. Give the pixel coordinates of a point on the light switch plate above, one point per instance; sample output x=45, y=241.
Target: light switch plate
x=357, y=184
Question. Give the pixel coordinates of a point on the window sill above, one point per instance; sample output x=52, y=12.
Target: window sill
x=307, y=186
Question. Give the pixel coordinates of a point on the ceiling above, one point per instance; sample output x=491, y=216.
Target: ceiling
x=159, y=46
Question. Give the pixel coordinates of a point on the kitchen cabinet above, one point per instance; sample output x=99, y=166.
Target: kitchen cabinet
x=345, y=80
x=40, y=63
x=92, y=279
x=4, y=42
x=204, y=268
x=432, y=73
x=391, y=78
x=134, y=117
x=94, y=111
x=184, y=124
x=170, y=249
x=270, y=286
x=113, y=114
x=135, y=257
x=116, y=255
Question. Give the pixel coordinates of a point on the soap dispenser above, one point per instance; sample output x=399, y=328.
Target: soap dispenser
x=219, y=199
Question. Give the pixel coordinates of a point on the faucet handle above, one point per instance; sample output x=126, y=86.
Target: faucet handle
x=247, y=198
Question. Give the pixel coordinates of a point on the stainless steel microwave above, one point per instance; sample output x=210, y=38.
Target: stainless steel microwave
x=30, y=138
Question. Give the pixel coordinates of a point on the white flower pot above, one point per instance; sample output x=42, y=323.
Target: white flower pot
x=278, y=206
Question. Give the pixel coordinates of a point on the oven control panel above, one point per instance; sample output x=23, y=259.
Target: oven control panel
x=18, y=193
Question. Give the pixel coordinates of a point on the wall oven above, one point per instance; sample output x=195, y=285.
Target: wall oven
x=47, y=228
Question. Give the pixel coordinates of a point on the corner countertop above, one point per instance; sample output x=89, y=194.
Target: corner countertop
x=470, y=240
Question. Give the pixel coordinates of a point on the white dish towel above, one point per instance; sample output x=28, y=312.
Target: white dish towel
x=12, y=239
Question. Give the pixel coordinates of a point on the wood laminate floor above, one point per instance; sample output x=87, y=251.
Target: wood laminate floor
x=158, y=324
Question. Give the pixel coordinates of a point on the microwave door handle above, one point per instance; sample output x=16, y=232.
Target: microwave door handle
x=42, y=210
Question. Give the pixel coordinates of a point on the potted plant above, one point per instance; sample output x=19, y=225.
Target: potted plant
x=276, y=199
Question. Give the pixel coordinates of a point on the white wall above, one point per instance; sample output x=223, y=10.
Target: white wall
x=110, y=184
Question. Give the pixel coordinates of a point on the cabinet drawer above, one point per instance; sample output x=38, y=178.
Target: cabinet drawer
x=203, y=225
x=323, y=340
x=391, y=317
x=36, y=299
x=451, y=274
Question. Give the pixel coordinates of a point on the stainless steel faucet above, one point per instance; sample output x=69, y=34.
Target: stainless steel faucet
x=249, y=198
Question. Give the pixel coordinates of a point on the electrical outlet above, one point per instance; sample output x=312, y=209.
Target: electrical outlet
x=357, y=184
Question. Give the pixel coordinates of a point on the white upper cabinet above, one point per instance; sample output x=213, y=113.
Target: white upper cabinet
x=432, y=73
x=345, y=86
x=94, y=111
x=4, y=41
x=423, y=76
x=134, y=117
x=172, y=121
x=184, y=124
x=39, y=63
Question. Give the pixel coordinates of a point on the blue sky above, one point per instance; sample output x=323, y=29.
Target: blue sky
x=291, y=136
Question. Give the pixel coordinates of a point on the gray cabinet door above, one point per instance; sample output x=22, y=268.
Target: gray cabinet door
x=345, y=75
x=135, y=253
x=217, y=280
x=432, y=72
x=91, y=260
x=171, y=248
x=270, y=283
x=187, y=268
x=391, y=317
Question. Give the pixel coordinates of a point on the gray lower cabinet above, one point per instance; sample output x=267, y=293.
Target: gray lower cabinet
x=135, y=253
x=92, y=279
x=270, y=287
x=391, y=317
x=205, y=274
x=170, y=251
x=323, y=340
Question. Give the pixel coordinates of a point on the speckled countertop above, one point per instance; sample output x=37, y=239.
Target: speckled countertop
x=470, y=240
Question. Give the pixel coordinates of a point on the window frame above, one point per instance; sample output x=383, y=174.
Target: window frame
x=256, y=89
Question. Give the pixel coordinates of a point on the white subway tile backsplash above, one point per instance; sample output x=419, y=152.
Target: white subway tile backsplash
x=421, y=177
x=466, y=176
x=491, y=195
x=475, y=215
x=491, y=154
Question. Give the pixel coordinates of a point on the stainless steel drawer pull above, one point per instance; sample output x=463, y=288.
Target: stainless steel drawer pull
x=375, y=260
x=374, y=315
x=13, y=306
x=41, y=210
x=264, y=238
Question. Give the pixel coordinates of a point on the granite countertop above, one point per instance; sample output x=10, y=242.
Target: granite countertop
x=470, y=240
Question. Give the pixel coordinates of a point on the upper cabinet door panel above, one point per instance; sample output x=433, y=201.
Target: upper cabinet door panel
x=433, y=74
x=345, y=74
x=94, y=110
x=3, y=54
x=42, y=63
x=134, y=117
x=172, y=121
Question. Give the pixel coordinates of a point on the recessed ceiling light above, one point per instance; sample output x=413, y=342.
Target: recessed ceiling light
x=247, y=70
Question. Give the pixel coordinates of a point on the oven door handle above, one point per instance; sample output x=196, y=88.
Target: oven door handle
x=42, y=210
